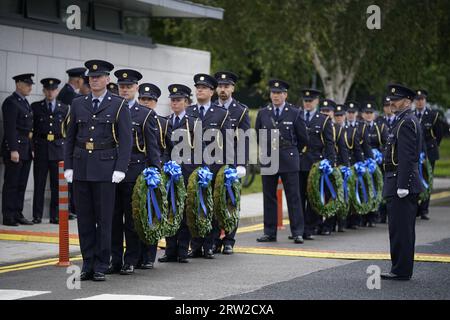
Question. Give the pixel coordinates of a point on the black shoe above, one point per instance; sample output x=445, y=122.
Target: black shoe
x=114, y=269
x=37, y=220
x=209, y=254
x=195, y=254
x=217, y=249
x=127, y=269
x=325, y=233
x=424, y=217
x=383, y=221
x=298, y=239
x=24, y=221
x=227, y=249
x=308, y=237
x=99, y=276
x=166, y=258
x=266, y=238
x=341, y=229
x=183, y=260
x=352, y=227
x=371, y=225
x=72, y=216
x=291, y=237
x=10, y=222
x=391, y=276
x=54, y=221
x=86, y=276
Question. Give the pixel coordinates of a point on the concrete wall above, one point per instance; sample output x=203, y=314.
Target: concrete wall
x=49, y=54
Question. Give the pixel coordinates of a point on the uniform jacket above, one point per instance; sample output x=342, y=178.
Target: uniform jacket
x=342, y=152
x=109, y=127
x=49, y=130
x=17, y=127
x=163, y=132
x=432, y=133
x=67, y=94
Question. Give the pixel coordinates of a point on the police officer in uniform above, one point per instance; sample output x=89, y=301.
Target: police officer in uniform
x=239, y=119
x=213, y=117
x=342, y=152
x=388, y=121
x=358, y=137
x=71, y=89
x=388, y=118
x=378, y=134
x=291, y=137
x=145, y=153
x=49, y=118
x=432, y=133
x=320, y=146
x=184, y=126
x=17, y=150
x=402, y=183
x=98, y=149
x=148, y=97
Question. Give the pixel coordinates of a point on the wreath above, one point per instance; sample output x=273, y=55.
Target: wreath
x=325, y=191
x=361, y=189
x=199, y=203
x=347, y=173
x=376, y=177
x=426, y=177
x=227, y=198
x=172, y=178
x=149, y=204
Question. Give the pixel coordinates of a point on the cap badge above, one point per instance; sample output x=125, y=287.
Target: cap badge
x=393, y=90
x=50, y=82
x=94, y=67
x=124, y=75
x=147, y=89
x=202, y=78
x=175, y=90
x=224, y=76
x=277, y=84
x=325, y=103
x=307, y=93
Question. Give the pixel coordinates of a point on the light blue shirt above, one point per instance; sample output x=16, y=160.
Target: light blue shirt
x=180, y=116
x=227, y=103
x=99, y=98
x=131, y=103
x=53, y=103
x=280, y=108
x=207, y=106
x=311, y=114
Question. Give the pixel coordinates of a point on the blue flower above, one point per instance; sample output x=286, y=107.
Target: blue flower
x=152, y=177
x=204, y=177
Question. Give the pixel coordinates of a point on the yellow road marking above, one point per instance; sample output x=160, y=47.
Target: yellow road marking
x=440, y=195
x=34, y=264
x=33, y=238
x=423, y=257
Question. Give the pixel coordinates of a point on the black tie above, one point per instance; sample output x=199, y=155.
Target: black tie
x=202, y=112
x=277, y=113
x=419, y=115
x=307, y=116
x=177, y=122
x=28, y=105
x=96, y=102
x=50, y=108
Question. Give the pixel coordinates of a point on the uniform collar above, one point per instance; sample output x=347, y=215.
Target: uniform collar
x=99, y=98
x=20, y=96
x=227, y=103
x=131, y=103
x=206, y=105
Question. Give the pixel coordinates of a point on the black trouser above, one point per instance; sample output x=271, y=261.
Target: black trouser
x=353, y=219
x=178, y=245
x=329, y=224
x=147, y=253
x=71, y=201
x=14, y=186
x=123, y=209
x=423, y=207
x=291, y=188
x=41, y=169
x=402, y=236
x=371, y=217
x=383, y=212
x=95, y=207
x=312, y=219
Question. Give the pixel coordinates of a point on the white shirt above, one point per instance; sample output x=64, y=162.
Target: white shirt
x=100, y=99
x=279, y=108
x=207, y=105
x=227, y=103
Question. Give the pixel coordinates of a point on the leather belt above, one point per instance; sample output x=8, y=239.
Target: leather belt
x=96, y=145
x=50, y=137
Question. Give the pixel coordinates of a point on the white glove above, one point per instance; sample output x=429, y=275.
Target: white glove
x=241, y=171
x=402, y=193
x=68, y=174
x=118, y=176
